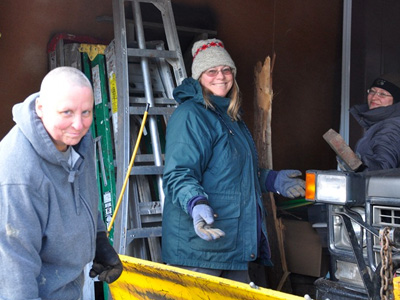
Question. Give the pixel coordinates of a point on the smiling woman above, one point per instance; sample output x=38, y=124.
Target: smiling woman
x=379, y=148
x=48, y=184
x=218, y=81
x=213, y=217
x=379, y=97
x=65, y=106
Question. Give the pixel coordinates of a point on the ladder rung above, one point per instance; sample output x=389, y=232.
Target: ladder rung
x=140, y=158
x=140, y=233
x=139, y=89
x=152, y=110
x=147, y=170
x=137, y=86
x=144, y=1
x=150, y=208
x=152, y=53
x=151, y=219
x=160, y=101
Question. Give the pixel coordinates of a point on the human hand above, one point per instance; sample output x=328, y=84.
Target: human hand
x=288, y=185
x=106, y=263
x=203, y=218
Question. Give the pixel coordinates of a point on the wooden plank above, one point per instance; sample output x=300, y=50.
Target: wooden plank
x=278, y=275
x=349, y=158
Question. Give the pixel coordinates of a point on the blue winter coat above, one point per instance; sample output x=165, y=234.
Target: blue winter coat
x=49, y=214
x=379, y=148
x=209, y=155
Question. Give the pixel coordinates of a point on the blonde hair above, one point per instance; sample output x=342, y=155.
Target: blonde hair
x=234, y=105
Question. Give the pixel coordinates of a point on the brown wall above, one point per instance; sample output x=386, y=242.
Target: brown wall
x=26, y=27
x=305, y=35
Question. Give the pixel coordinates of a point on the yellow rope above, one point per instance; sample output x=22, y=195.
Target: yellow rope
x=129, y=169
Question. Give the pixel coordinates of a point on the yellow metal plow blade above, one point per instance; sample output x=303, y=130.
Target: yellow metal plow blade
x=142, y=279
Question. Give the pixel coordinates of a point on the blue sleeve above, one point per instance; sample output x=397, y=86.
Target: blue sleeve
x=267, y=180
x=380, y=150
x=194, y=201
x=188, y=151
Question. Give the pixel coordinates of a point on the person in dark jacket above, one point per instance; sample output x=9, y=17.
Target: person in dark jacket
x=214, y=221
x=379, y=148
x=50, y=225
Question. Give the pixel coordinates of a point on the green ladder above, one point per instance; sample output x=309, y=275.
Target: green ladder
x=90, y=59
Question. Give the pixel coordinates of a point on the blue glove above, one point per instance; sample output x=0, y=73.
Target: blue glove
x=288, y=185
x=203, y=218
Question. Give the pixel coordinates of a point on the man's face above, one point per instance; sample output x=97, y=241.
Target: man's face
x=378, y=97
x=67, y=116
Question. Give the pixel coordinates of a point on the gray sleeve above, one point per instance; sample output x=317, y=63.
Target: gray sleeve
x=20, y=242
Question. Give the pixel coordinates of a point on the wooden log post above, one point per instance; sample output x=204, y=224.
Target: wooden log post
x=277, y=276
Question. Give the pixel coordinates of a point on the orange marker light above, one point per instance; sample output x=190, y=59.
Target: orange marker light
x=310, y=186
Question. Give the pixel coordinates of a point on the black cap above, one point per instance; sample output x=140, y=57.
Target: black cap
x=389, y=82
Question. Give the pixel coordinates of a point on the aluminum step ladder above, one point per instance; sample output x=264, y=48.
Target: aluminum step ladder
x=143, y=78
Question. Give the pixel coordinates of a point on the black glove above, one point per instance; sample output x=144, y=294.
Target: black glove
x=106, y=263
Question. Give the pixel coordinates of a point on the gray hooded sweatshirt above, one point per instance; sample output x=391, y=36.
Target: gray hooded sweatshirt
x=48, y=212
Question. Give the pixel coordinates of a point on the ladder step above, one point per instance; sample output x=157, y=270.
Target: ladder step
x=152, y=110
x=151, y=219
x=132, y=52
x=136, y=81
x=140, y=233
x=147, y=170
x=160, y=101
x=140, y=158
x=146, y=1
x=150, y=208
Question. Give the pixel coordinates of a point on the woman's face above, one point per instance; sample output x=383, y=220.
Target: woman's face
x=219, y=80
x=378, y=97
x=67, y=116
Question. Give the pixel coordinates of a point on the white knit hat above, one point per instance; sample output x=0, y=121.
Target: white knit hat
x=208, y=54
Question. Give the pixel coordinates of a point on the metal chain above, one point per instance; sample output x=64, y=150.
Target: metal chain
x=386, y=271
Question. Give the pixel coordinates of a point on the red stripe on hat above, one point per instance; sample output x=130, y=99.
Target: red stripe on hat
x=206, y=46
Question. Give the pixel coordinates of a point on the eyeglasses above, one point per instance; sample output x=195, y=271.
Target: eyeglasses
x=373, y=93
x=214, y=72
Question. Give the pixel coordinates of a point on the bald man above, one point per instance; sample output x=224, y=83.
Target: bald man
x=50, y=226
